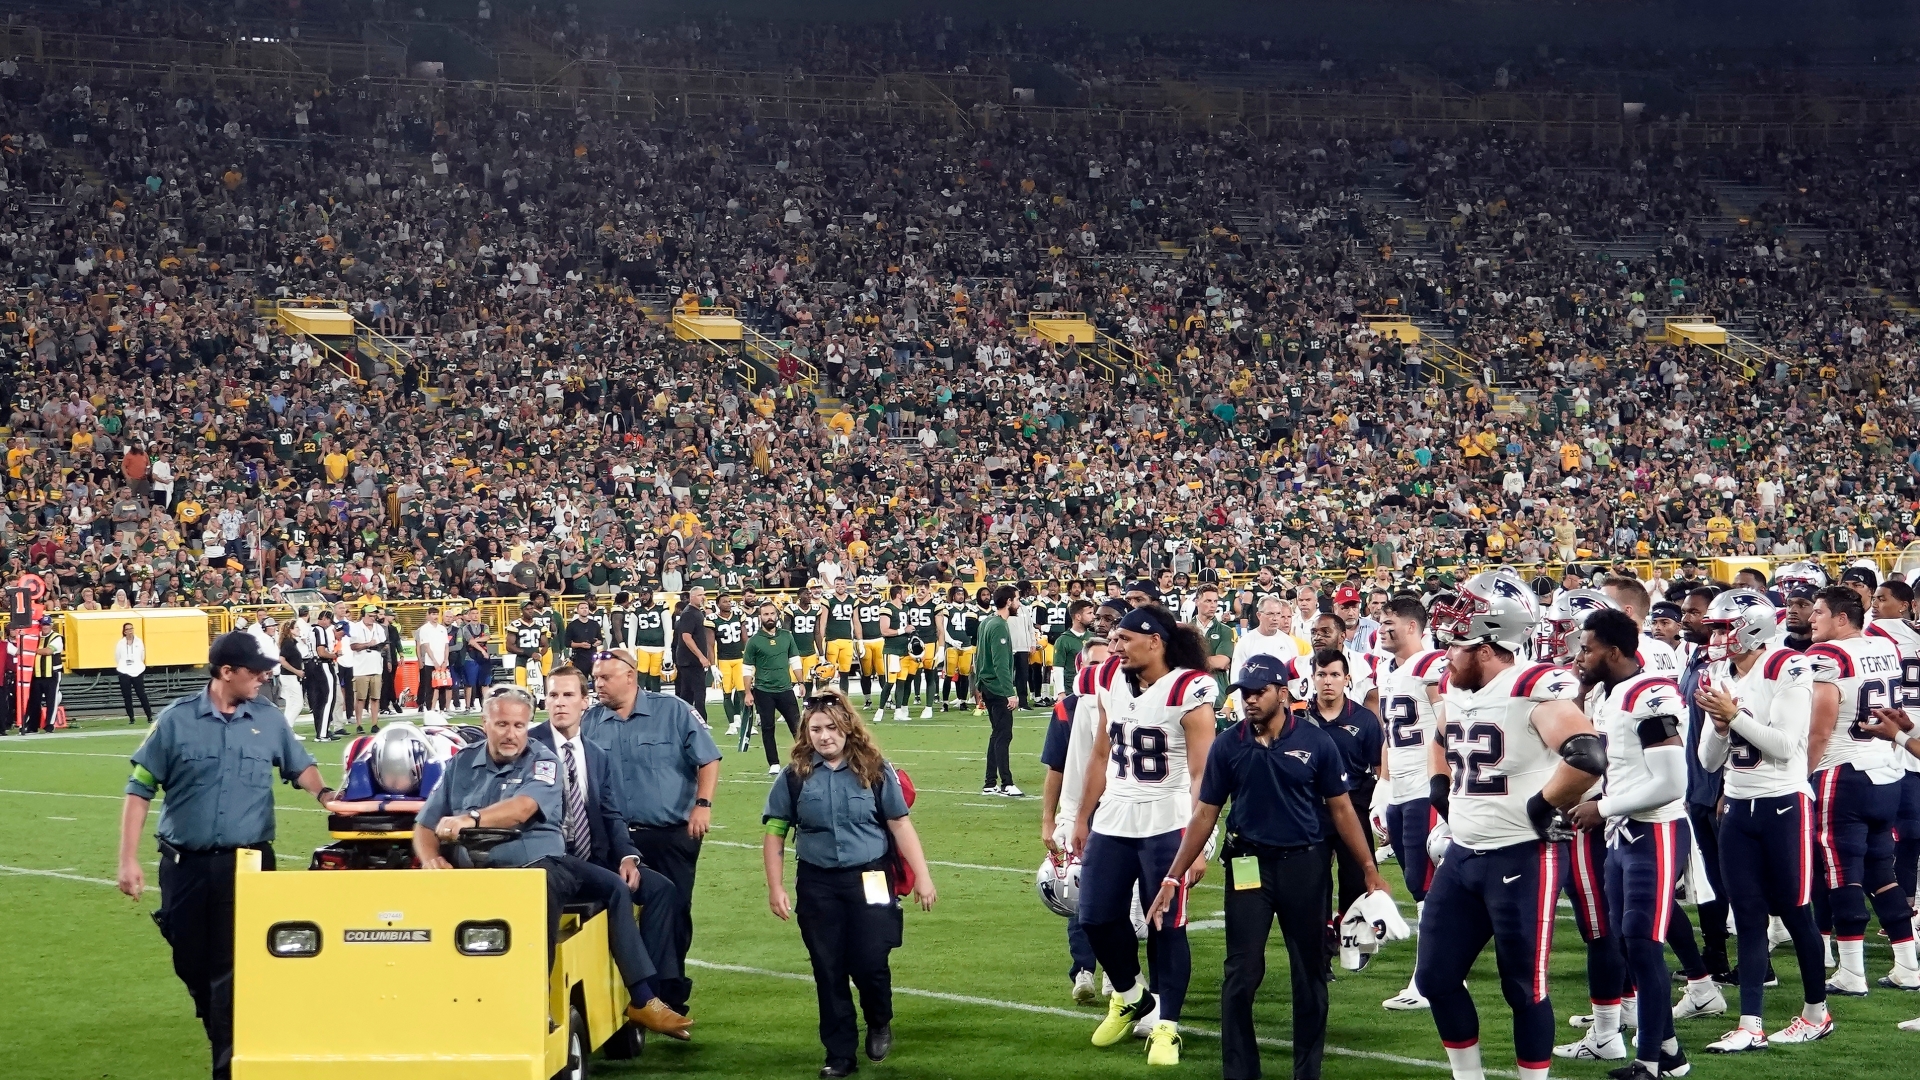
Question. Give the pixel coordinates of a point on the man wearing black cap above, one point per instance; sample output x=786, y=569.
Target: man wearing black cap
x=1280, y=773
x=213, y=808
x=1863, y=581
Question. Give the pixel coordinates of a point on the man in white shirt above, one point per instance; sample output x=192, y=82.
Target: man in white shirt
x=1266, y=639
x=1023, y=640
x=430, y=647
x=366, y=649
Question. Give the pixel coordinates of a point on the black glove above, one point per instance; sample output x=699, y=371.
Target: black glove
x=1439, y=789
x=1548, y=823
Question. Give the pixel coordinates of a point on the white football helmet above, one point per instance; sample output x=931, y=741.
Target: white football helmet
x=1800, y=573
x=397, y=757
x=1739, y=621
x=1058, y=883
x=1562, y=626
x=1492, y=608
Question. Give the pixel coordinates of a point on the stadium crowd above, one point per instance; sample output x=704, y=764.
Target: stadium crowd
x=546, y=429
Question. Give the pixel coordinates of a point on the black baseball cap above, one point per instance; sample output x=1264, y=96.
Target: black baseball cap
x=1862, y=574
x=240, y=649
x=1260, y=672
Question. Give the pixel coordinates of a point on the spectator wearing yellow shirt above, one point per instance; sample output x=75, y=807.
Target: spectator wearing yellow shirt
x=335, y=464
x=83, y=441
x=1569, y=457
x=1719, y=527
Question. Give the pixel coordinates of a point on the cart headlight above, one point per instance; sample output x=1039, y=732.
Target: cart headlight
x=490, y=938
x=293, y=939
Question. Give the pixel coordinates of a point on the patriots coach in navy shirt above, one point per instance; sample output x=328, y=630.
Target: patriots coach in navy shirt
x=1281, y=772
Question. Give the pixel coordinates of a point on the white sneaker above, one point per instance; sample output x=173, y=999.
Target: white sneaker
x=1145, y=1027
x=1846, y=983
x=1738, y=1041
x=733, y=729
x=1714, y=1003
x=1901, y=979
x=900, y=715
x=773, y=770
x=1106, y=986
x=1083, y=989
x=1801, y=1030
x=1012, y=792
x=1776, y=933
x=1408, y=1000
x=1589, y=1049
x=991, y=791
x=1909, y=1025
x=926, y=712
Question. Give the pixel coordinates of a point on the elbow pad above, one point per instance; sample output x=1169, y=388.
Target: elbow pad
x=1439, y=788
x=1585, y=752
x=1655, y=730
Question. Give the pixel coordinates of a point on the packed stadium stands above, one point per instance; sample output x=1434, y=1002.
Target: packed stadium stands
x=1314, y=351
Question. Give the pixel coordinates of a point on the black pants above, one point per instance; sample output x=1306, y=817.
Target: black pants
x=572, y=880
x=1036, y=686
x=131, y=685
x=768, y=702
x=1293, y=886
x=196, y=919
x=1021, y=665
x=999, y=740
x=690, y=686
x=321, y=687
x=389, y=695
x=658, y=905
x=668, y=849
x=1713, y=913
x=847, y=939
x=43, y=698
x=1352, y=875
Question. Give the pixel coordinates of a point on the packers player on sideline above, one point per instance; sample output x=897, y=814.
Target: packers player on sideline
x=843, y=625
x=527, y=645
x=921, y=667
x=731, y=627
x=873, y=661
x=958, y=630
x=807, y=622
x=894, y=633
x=649, y=622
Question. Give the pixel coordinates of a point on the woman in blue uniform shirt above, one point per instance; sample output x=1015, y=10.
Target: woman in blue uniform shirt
x=846, y=804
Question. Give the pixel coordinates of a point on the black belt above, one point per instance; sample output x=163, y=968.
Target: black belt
x=815, y=868
x=176, y=853
x=1239, y=847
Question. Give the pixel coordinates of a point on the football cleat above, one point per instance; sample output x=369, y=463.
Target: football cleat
x=1738, y=1041
x=1121, y=1017
x=1901, y=979
x=1012, y=792
x=1713, y=1005
x=1846, y=983
x=1144, y=1027
x=926, y=712
x=1408, y=1000
x=1163, y=1045
x=1802, y=1030
x=1587, y=1048
x=1909, y=1025
x=1633, y=1070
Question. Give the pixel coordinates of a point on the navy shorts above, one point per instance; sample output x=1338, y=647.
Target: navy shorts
x=1407, y=826
x=1766, y=851
x=1507, y=895
x=1853, y=824
x=1645, y=862
x=1117, y=868
x=1586, y=884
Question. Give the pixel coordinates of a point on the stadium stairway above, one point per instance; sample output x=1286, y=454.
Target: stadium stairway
x=329, y=326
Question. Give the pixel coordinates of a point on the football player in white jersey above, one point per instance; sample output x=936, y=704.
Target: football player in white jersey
x=1857, y=788
x=1513, y=753
x=1896, y=726
x=1409, y=699
x=1892, y=615
x=1156, y=724
x=1643, y=810
x=1758, y=698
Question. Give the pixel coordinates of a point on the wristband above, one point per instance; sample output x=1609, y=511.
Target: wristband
x=1901, y=738
x=1175, y=882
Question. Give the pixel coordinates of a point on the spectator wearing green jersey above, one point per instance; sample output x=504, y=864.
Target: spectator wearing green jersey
x=1219, y=637
x=1069, y=642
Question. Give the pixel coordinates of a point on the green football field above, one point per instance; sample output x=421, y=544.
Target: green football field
x=980, y=986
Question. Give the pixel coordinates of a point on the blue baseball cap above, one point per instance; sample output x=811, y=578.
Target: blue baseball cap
x=1260, y=672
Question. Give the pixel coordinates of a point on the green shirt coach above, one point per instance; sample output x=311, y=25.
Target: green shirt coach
x=215, y=755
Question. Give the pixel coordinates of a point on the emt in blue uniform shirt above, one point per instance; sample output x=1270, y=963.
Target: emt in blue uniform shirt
x=667, y=768
x=591, y=825
x=510, y=782
x=215, y=754
x=1280, y=772
x=846, y=802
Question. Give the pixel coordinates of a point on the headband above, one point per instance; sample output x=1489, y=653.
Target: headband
x=1139, y=621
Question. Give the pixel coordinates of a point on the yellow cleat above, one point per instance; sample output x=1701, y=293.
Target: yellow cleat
x=1163, y=1046
x=1120, y=1019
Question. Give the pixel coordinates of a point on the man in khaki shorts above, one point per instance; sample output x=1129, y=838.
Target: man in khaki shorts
x=366, y=647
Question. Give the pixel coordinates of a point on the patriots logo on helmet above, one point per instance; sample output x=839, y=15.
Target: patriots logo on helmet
x=1508, y=587
x=1746, y=601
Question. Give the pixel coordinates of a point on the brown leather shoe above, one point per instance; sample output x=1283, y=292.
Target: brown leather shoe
x=656, y=1016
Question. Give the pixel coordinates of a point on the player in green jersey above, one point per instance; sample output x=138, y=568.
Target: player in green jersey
x=868, y=608
x=843, y=631
x=731, y=627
